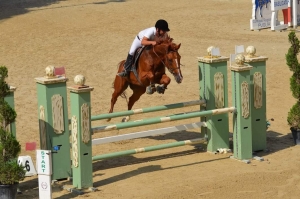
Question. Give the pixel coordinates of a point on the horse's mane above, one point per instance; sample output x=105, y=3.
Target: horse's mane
x=166, y=39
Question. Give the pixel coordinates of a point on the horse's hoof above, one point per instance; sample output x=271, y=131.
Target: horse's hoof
x=160, y=89
x=150, y=90
x=126, y=119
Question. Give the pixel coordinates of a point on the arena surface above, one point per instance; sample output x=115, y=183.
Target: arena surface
x=90, y=37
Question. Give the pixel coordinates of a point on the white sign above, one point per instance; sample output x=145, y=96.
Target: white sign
x=279, y=4
x=43, y=161
x=232, y=59
x=256, y=24
x=239, y=49
x=26, y=162
x=45, y=189
x=215, y=52
x=44, y=169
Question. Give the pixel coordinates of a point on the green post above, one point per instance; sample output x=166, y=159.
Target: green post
x=258, y=104
x=82, y=166
x=53, y=122
x=213, y=89
x=241, y=97
x=11, y=101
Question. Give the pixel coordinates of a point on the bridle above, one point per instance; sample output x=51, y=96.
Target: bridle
x=171, y=70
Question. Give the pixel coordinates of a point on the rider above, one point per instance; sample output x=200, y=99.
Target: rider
x=144, y=38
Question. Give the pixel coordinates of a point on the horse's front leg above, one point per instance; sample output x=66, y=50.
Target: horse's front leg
x=163, y=83
x=151, y=88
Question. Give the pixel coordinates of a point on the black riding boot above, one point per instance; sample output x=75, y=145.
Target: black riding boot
x=127, y=66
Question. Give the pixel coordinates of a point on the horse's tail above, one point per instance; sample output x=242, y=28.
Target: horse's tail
x=124, y=94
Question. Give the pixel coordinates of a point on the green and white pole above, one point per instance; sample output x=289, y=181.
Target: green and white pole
x=258, y=94
x=213, y=89
x=147, y=110
x=149, y=148
x=53, y=122
x=242, y=123
x=157, y=120
x=82, y=166
x=11, y=101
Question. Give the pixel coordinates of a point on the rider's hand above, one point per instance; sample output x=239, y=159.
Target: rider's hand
x=153, y=43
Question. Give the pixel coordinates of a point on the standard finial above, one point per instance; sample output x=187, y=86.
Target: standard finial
x=50, y=71
x=240, y=60
x=209, y=50
x=79, y=80
x=250, y=51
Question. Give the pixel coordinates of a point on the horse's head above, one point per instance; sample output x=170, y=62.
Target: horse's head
x=173, y=62
x=171, y=56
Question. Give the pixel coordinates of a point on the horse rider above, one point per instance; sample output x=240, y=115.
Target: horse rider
x=144, y=38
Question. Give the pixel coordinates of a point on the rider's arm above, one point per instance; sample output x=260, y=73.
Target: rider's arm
x=145, y=42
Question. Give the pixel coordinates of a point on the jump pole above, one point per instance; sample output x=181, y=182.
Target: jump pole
x=149, y=148
x=162, y=119
x=147, y=110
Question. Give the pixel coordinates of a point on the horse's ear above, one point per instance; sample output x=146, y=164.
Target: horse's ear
x=178, y=46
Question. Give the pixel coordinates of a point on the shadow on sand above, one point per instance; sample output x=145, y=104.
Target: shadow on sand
x=11, y=8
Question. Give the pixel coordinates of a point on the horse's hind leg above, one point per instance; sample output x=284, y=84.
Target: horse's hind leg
x=120, y=85
x=137, y=92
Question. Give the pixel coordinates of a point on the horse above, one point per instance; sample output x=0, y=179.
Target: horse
x=150, y=70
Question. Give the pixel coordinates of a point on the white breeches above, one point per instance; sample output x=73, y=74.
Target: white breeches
x=135, y=45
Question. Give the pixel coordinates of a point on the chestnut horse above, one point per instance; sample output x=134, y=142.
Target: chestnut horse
x=150, y=71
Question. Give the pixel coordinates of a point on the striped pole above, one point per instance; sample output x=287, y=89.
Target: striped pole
x=161, y=119
x=147, y=110
x=149, y=148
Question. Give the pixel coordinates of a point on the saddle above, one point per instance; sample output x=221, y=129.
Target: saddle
x=136, y=58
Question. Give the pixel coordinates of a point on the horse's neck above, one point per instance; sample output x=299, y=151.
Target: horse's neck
x=160, y=50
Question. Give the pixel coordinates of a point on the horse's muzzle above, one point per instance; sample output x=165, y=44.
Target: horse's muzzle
x=178, y=78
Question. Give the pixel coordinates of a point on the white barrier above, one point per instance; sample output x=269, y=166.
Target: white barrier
x=265, y=14
x=277, y=5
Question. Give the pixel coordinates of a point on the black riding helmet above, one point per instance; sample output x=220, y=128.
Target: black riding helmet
x=162, y=25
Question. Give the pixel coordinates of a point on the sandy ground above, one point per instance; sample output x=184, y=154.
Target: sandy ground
x=90, y=37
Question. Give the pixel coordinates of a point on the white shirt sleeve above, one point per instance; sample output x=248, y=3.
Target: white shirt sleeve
x=149, y=33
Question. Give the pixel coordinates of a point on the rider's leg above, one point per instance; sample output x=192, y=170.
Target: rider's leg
x=127, y=66
x=135, y=45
